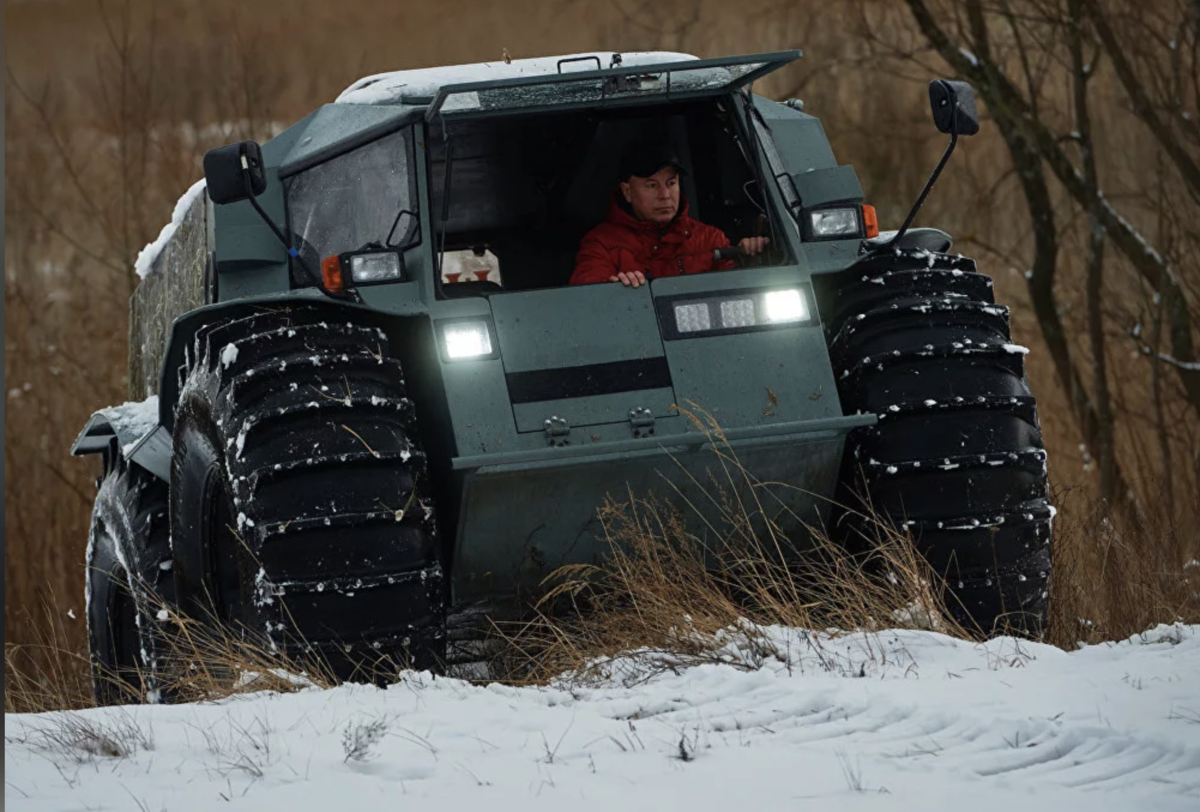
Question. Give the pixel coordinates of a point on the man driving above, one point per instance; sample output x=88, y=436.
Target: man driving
x=648, y=233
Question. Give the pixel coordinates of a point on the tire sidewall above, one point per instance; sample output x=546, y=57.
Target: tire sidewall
x=120, y=629
x=198, y=466
x=112, y=657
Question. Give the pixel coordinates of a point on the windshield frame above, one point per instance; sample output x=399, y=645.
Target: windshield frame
x=771, y=61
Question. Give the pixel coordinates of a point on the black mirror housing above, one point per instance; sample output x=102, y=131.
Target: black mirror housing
x=953, y=105
x=235, y=172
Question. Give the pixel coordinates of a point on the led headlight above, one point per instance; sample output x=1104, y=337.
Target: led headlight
x=692, y=318
x=378, y=267
x=743, y=311
x=737, y=313
x=827, y=223
x=467, y=339
x=785, y=305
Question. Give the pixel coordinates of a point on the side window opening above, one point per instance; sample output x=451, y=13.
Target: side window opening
x=361, y=197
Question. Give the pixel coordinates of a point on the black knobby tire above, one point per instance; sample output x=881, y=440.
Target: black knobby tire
x=128, y=582
x=957, y=455
x=299, y=508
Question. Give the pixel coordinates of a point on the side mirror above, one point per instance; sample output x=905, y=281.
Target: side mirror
x=235, y=172
x=953, y=105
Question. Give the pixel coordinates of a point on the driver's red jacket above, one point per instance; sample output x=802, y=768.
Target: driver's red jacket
x=624, y=243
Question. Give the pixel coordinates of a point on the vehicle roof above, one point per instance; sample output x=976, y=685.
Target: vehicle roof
x=423, y=83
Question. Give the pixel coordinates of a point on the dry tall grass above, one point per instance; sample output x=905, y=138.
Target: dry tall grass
x=110, y=105
x=661, y=601
x=1110, y=583
x=195, y=660
x=48, y=670
x=673, y=597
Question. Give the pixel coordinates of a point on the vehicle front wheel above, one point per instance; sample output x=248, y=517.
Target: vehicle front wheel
x=299, y=498
x=957, y=455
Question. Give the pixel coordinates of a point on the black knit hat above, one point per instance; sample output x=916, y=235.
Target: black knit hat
x=644, y=158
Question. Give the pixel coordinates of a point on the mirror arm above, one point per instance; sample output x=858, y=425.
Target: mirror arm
x=292, y=252
x=350, y=294
x=924, y=192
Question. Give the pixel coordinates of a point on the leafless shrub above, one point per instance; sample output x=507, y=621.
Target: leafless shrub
x=82, y=737
x=241, y=747
x=359, y=738
x=93, y=169
x=1111, y=581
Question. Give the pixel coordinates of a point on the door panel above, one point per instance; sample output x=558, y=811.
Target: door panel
x=594, y=363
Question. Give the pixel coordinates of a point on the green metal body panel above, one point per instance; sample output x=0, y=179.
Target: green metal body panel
x=543, y=498
x=615, y=324
x=798, y=137
x=756, y=378
x=821, y=187
x=521, y=500
x=250, y=260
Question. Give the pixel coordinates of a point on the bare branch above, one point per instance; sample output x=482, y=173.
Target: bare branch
x=1015, y=118
x=1104, y=444
x=1142, y=105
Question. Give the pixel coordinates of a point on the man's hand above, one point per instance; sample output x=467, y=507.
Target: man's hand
x=754, y=245
x=630, y=279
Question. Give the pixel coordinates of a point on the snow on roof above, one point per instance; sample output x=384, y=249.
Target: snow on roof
x=144, y=263
x=388, y=88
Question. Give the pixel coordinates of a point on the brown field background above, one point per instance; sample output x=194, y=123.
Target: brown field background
x=110, y=106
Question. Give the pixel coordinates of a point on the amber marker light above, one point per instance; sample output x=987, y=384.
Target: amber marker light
x=331, y=273
x=870, y=221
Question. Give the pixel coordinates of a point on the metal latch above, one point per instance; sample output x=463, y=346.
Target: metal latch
x=641, y=420
x=558, y=430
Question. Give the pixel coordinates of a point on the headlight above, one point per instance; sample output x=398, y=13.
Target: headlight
x=375, y=267
x=744, y=311
x=827, y=223
x=692, y=318
x=737, y=313
x=781, y=306
x=350, y=268
x=467, y=339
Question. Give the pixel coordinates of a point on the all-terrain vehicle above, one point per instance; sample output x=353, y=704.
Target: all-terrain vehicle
x=379, y=402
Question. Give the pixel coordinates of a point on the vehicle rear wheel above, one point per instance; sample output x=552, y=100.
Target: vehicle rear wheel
x=128, y=579
x=957, y=455
x=299, y=498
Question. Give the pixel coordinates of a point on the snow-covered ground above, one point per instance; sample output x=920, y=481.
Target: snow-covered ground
x=897, y=721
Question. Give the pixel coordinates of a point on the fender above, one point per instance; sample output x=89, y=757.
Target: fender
x=933, y=240
x=181, y=347
x=126, y=432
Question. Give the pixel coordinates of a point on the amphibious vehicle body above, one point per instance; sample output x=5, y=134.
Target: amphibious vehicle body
x=380, y=403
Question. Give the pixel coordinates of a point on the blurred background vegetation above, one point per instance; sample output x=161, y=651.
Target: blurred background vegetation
x=1081, y=197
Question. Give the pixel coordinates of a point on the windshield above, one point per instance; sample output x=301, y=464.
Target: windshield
x=361, y=197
